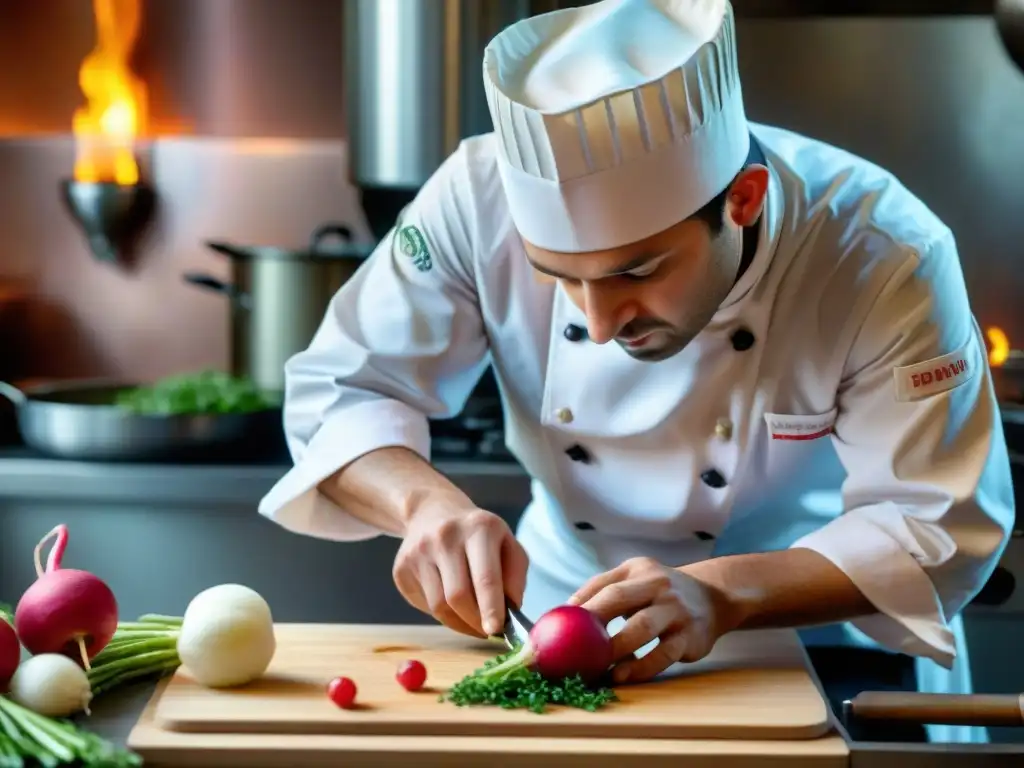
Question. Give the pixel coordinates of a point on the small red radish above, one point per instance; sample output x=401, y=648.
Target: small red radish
x=566, y=641
x=10, y=653
x=342, y=691
x=65, y=610
x=411, y=675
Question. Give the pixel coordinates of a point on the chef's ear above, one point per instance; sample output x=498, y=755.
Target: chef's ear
x=746, y=197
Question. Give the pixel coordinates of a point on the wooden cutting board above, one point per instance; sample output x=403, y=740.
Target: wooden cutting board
x=172, y=749
x=755, y=685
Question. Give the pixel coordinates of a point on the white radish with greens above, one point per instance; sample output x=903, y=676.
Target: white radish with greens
x=51, y=684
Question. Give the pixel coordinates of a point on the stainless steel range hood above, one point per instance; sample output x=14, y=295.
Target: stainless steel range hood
x=414, y=89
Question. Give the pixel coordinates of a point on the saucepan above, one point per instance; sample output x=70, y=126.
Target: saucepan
x=82, y=420
x=278, y=296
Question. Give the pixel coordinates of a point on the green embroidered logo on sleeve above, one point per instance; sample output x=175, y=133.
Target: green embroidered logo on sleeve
x=414, y=245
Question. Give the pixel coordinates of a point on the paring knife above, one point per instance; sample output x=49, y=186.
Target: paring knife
x=508, y=631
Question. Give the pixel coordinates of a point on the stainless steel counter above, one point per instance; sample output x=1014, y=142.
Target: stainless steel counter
x=492, y=484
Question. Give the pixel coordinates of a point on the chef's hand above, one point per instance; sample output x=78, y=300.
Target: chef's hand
x=685, y=615
x=457, y=562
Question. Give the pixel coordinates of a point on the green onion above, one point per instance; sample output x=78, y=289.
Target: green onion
x=29, y=739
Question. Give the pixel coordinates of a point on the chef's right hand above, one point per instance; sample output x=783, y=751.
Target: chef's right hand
x=457, y=563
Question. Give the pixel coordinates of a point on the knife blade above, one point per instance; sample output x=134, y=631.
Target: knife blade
x=513, y=616
x=520, y=617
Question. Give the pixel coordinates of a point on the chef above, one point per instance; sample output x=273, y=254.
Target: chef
x=738, y=364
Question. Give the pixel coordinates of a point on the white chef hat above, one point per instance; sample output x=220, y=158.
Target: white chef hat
x=615, y=120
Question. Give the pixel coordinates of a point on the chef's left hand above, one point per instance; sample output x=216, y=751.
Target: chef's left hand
x=684, y=614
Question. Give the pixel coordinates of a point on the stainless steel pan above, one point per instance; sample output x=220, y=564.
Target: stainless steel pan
x=78, y=420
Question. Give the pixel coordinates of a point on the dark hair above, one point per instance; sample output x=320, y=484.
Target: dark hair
x=713, y=214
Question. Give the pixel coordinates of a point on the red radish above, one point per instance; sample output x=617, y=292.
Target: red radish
x=65, y=611
x=342, y=691
x=411, y=675
x=10, y=653
x=566, y=641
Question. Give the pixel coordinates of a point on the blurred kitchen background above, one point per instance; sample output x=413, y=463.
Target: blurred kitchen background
x=262, y=120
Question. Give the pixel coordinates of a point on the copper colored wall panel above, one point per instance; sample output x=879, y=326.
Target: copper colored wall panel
x=95, y=319
x=225, y=68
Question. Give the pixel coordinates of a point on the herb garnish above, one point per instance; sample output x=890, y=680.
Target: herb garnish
x=523, y=688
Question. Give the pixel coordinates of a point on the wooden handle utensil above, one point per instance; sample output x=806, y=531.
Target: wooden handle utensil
x=972, y=709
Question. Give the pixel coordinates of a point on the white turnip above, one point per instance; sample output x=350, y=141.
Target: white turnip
x=227, y=636
x=66, y=611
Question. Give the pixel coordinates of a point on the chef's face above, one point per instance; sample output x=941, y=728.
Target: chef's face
x=655, y=296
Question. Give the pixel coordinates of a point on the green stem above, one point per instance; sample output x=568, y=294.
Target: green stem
x=152, y=670
x=520, y=658
x=103, y=673
x=159, y=618
x=28, y=722
x=10, y=757
x=48, y=743
x=130, y=649
x=151, y=634
x=131, y=628
x=25, y=745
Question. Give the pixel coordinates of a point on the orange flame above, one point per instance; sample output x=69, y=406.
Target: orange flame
x=998, y=345
x=115, y=110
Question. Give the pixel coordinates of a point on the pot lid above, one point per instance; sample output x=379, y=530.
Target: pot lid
x=328, y=242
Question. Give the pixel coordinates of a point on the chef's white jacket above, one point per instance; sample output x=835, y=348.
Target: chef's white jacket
x=840, y=399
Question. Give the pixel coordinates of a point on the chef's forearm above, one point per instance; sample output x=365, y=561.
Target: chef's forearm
x=386, y=487
x=788, y=588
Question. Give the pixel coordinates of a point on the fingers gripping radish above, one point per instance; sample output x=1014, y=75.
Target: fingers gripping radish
x=65, y=610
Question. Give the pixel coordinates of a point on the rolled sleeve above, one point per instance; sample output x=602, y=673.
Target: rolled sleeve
x=928, y=502
x=296, y=504
x=402, y=342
